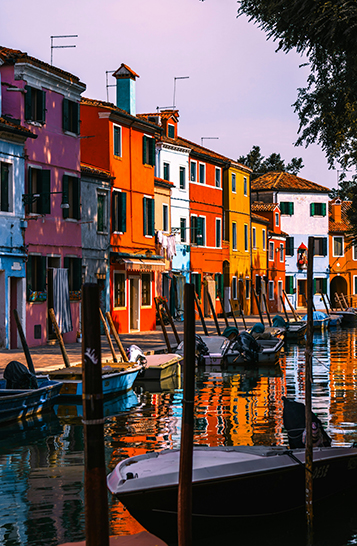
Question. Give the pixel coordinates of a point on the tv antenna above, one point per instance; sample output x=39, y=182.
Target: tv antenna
x=61, y=46
x=177, y=78
x=208, y=138
x=107, y=84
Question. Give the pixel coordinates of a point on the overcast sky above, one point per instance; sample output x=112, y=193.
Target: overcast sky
x=239, y=89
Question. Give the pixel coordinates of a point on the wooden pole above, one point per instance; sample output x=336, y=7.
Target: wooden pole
x=337, y=299
x=201, y=315
x=291, y=307
x=107, y=333
x=258, y=306
x=171, y=321
x=95, y=486
x=59, y=338
x=163, y=327
x=223, y=310
x=184, y=512
x=233, y=315
x=329, y=301
x=284, y=308
x=267, y=308
x=344, y=300
x=242, y=315
x=308, y=381
x=325, y=304
x=116, y=337
x=213, y=313
x=25, y=347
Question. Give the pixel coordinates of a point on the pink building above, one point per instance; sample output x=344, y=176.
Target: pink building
x=45, y=99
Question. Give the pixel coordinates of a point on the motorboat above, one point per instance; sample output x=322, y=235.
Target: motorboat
x=321, y=320
x=245, y=349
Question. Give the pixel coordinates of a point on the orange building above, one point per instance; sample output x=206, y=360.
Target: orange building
x=115, y=139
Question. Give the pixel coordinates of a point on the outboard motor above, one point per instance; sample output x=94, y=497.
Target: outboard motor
x=135, y=354
x=294, y=424
x=19, y=377
x=247, y=346
x=278, y=322
x=201, y=349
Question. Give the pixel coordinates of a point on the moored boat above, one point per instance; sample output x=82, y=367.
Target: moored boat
x=321, y=320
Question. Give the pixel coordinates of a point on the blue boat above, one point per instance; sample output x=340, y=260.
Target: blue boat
x=321, y=321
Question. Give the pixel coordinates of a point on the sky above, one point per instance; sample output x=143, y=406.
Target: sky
x=239, y=92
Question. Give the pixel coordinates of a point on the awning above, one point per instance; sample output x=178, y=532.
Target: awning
x=143, y=265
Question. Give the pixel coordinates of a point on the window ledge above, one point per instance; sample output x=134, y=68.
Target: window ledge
x=35, y=123
x=69, y=133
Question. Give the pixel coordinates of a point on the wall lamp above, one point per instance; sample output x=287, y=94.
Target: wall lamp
x=29, y=198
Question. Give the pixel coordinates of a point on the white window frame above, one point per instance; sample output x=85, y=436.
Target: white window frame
x=277, y=219
x=271, y=292
x=204, y=173
x=234, y=178
x=185, y=230
x=234, y=288
x=168, y=170
x=165, y=206
x=245, y=186
x=168, y=127
x=184, y=180
x=218, y=171
x=11, y=186
x=271, y=245
x=333, y=246
x=115, y=125
x=142, y=306
x=104, y=193
x=281, y=252
x=193, y=162
x=125, y=289
x=264, y=238
x=218, y=221
x=234, y=236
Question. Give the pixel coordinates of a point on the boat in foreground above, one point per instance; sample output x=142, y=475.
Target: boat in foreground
x=229, y=482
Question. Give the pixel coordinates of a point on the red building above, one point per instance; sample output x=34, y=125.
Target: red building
x=276, y=244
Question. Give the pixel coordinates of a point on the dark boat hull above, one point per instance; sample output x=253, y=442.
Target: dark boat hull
x=20, y=404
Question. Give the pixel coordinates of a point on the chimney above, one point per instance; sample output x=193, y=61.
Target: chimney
x=336, y=211
x=126, y=89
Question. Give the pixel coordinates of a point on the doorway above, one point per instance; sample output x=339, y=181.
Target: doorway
x=302, y=286
x=53, y=262
x=134, y=308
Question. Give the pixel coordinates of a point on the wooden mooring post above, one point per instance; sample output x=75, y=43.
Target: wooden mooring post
x=201, y=315
x=25, y=347
x=184, y=512
x=107, y=333
x=95, y=484
x=213, y=313
x=59, y=337
x=308, y=381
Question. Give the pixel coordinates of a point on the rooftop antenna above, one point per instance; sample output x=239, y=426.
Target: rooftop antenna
x=107, y=72
x=61, y=46
x=177, y=78
x=208, y=138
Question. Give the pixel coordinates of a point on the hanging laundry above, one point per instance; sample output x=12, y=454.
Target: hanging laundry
x=171, y=247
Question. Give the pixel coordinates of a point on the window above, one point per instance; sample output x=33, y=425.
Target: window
x=281, y=252
x=39, y=183
x=35, y=276
x=183, y=230
x=264, y=236
x=35, y=104
x=338, y=246
x=5, y=188
x=198, y=225
x=119, y=289
x=117, y=140
x=70, y=116
x=234, y=288
x=317, y=209
x=166, y=171
x=289, y=284
x=148, y=150
x=218, y=232
x=202, y=179
x=234, y=236
x=354, y=252
x=118, y=211
x=182, y=178
x=71, y=196
x=245, y=185
x=277, y=219
x=245, y=238
x=193, y=171
x=171, y=130
x=165, y=217
x=355, y=284
x=148, y=216
x=102, y=212
x=287, y=208
x=271, y=251
x=271, y=290
x=320, y=246
x=196, y=281
x=74, y=266
x=234, y=183
x=290, y=246
x=320, y=285
x=219, y=285
x=258, y=284
x=254, y=237
x=218, y=177
x=247, y=289
x=145, y=289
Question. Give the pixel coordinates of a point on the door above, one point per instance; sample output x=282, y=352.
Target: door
x=302, y=285
x=53, y=262
x=13, y=305
x=134, y=308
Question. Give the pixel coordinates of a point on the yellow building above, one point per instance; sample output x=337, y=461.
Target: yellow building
x=259, y=253
x=238, y=232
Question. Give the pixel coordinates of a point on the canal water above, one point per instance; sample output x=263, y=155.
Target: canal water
x=41, y=461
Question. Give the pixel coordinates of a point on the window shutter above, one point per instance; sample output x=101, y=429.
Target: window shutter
x=42, y=274
x=77, y=273
x=66, y=262
x=45, y=201
x=151, y=217
x=29, y=187
x=116, y=141
x=145, y=219
x=65, y=196
x=314, y=287
x=199, y=231
x=29, y=276
x=77, y=198
x=283, y=207
x=4, y=199
x=324, y=246
x=323, y=209
x=65, y=114
x=41, y=106
x=78, y=121
x=289, y=282
x=115, y=197
x=122, y=225
x=144, y=149
x=312, y=209
x=152, y=152
x=28, y=103
x=324, y=286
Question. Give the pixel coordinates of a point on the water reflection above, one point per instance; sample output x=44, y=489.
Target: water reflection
x=41, y=461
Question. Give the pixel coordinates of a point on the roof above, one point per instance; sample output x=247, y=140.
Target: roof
x=163, y=183
x=259, y=206
x=116, y=109
x=283, y=181
x=124, y=71
x=258, y=218
x=343, y=226
x=95, y=171
x=13, y=127
x=164, y=114
x=13, y=56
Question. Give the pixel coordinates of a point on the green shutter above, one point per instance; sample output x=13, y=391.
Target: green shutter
x=291, y=208
x=145, y=216
x=323, y=207
x=289, y=283
x=65, y=114
x=324, y=285
x=152, y=152
x=4, y=188
x=314, y=286
x=77, y=198
x=324, y=246
x=41, y=106
x=28, y=103
x=144, y=149
x=77, y=273
x=29, y=187
x=29, y=276
x=312, y=209
x=151, y=217
x=122, y=223
x=65, y=196
x=66, y=262
x=114, y=211
x=199, y=231
x=45, y=201
x=116, y=141
x=42, y=274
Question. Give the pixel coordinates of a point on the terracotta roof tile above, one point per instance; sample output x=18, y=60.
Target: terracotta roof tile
x=95, y=171
x=13, y=56
x=344, y=226
x=113, y=108
x=258, y=218
x=164, y=114
x=16, y=127
x=162, y=182
x=127, y=68
x=259, y=206
x=282, y=181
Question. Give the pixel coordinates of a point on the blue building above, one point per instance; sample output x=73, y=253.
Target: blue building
x=12, y=225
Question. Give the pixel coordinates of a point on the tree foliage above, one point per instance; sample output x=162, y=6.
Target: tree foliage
x=261, y=165
x=326, y=32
